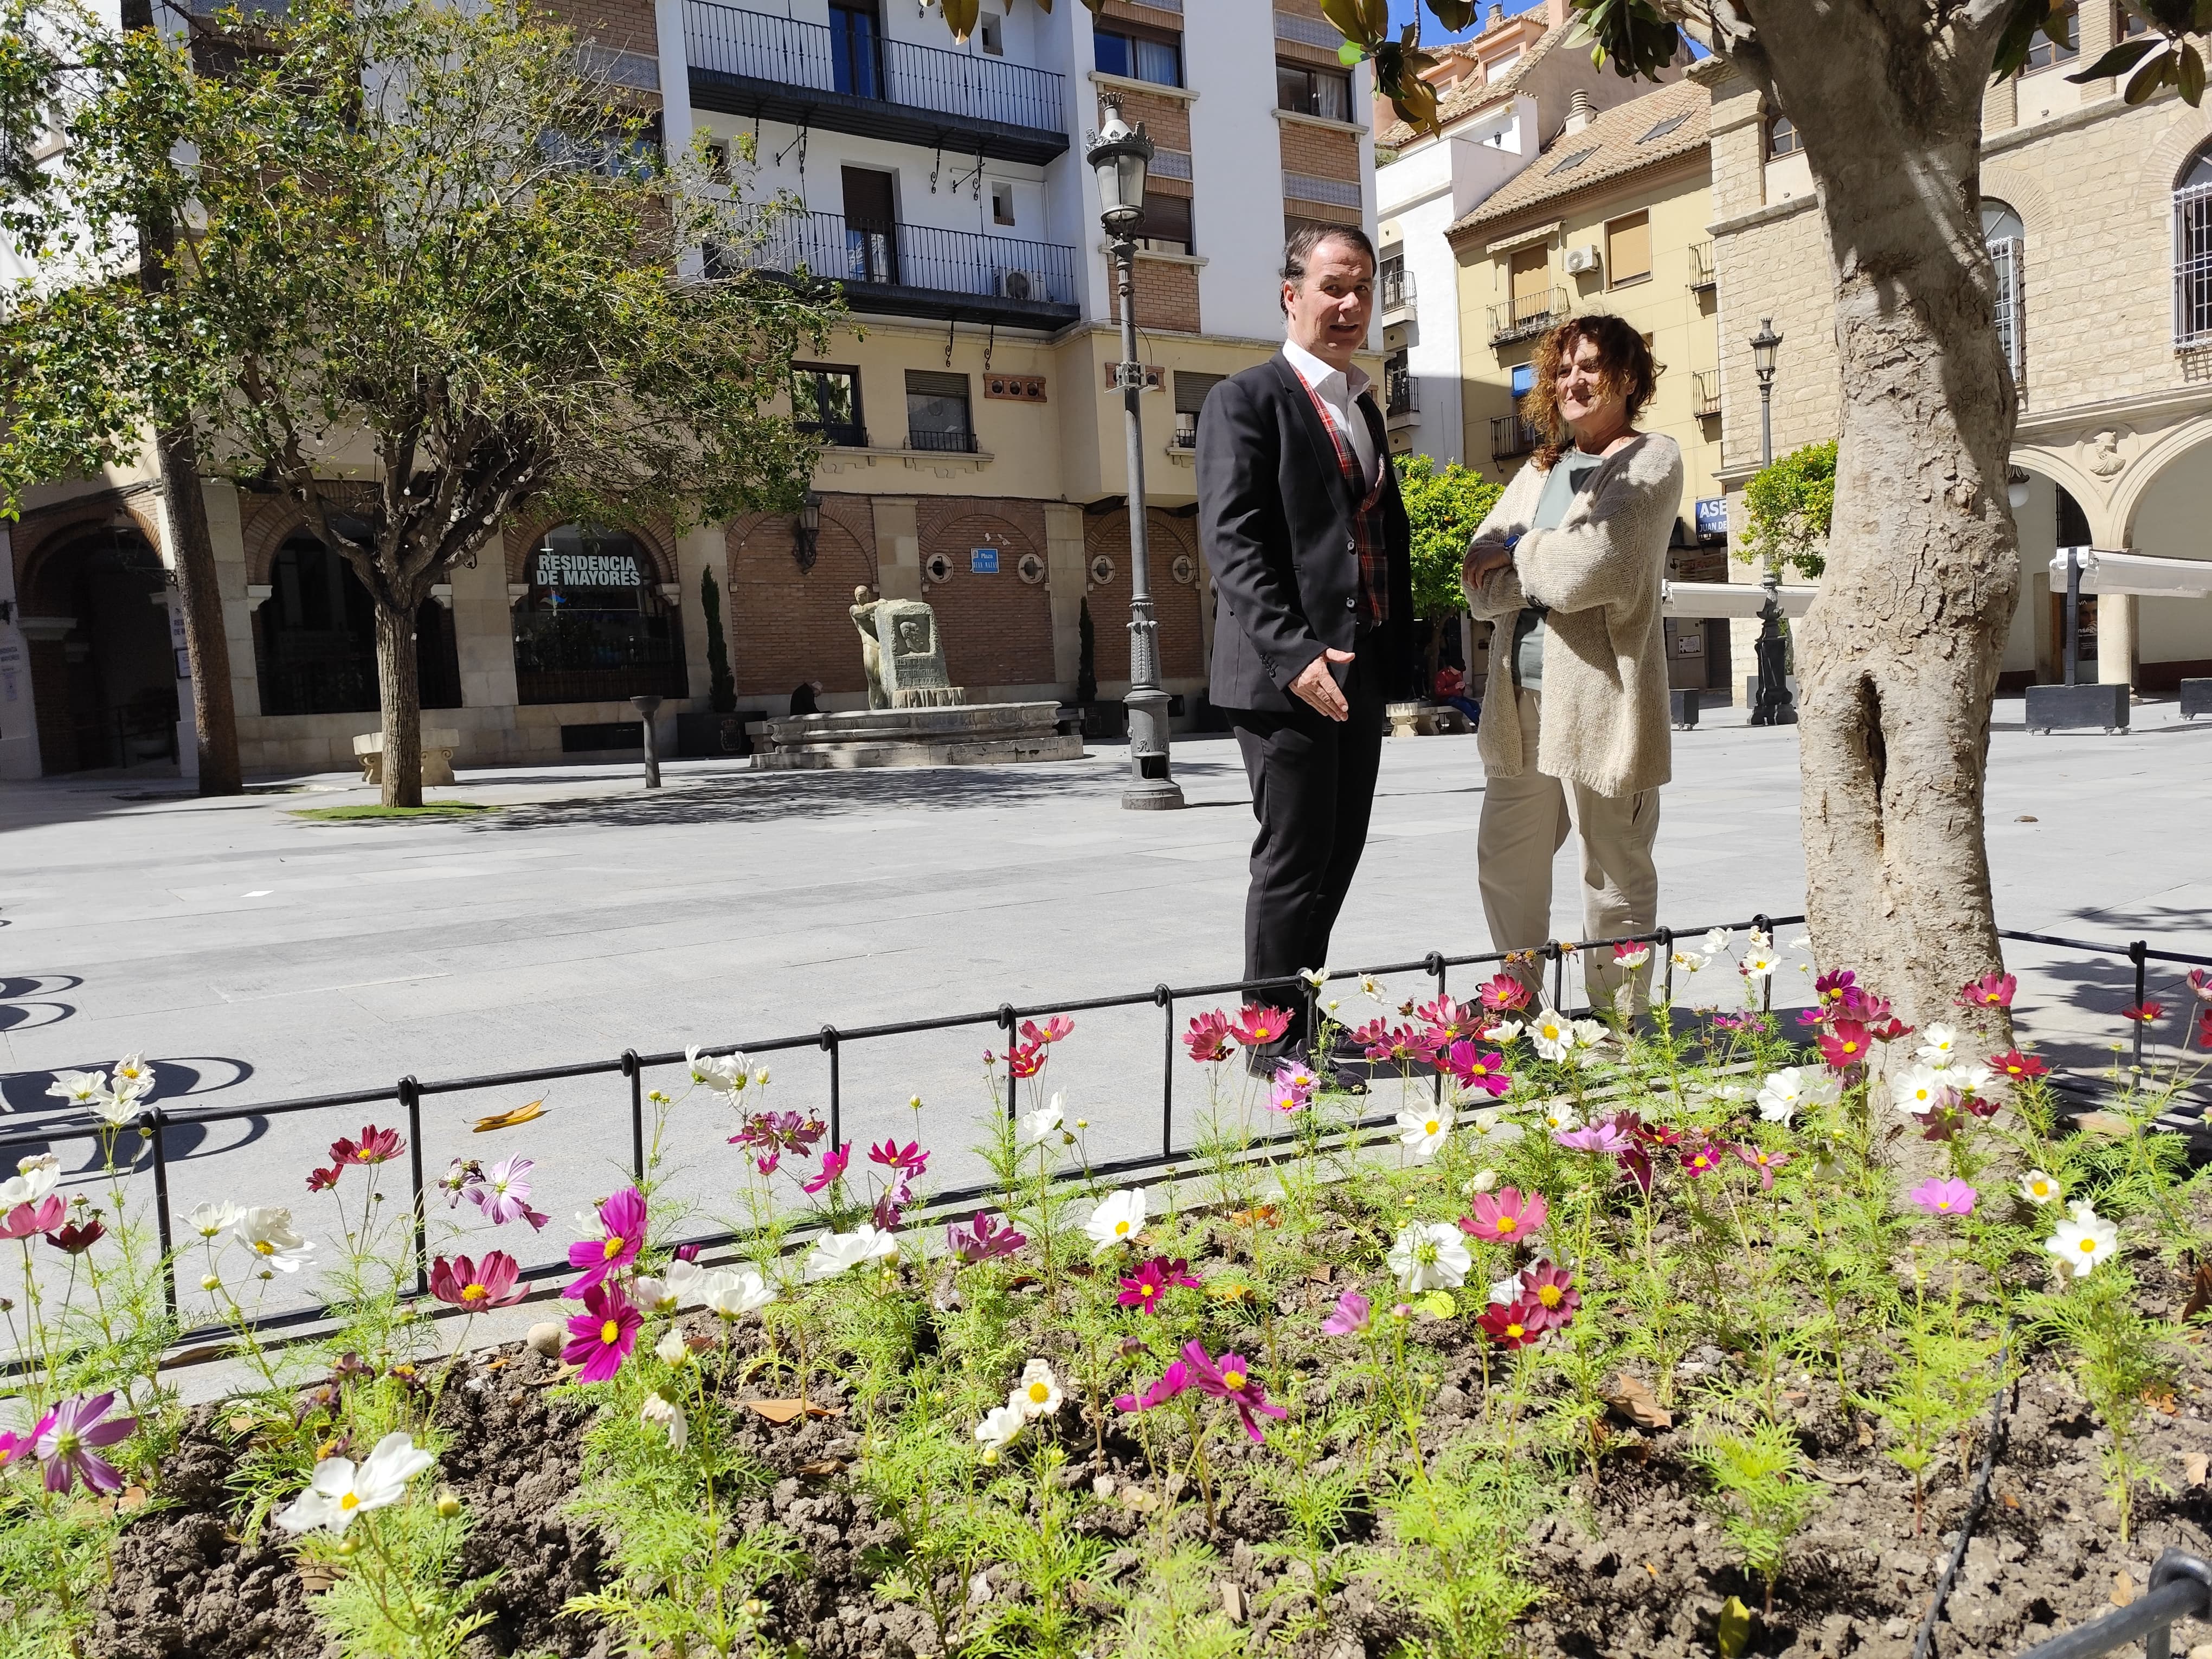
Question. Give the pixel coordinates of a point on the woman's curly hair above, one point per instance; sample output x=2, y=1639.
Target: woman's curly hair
x=1625, y=364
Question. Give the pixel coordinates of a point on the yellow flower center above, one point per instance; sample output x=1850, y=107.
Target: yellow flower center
x=1039, y=1394
x=1513, y=1328
x=1433, y=1125
x=1850, y=1047
x=614, y=1246
x=1234, y=1379
x=265, y=1247
x=1506, y=1223
x=1119, y=1228
x=2088, y=1246
x=1550, y=1296
x=611, y=1333
x=2040, y=1188
x=475, y=1293
x=348, y=1501
x=1147, y=1290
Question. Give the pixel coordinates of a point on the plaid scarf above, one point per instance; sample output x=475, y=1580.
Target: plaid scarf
x=1368, y=536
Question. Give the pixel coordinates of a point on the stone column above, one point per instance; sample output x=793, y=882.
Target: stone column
x=898, y=547
x=2116, y=639
x=1063, y=566
x=226, y=530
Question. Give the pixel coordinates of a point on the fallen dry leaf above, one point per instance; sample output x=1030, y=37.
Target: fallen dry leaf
x=1228, y=1290
x=536, y=1109
x=499, y=1364
x=2194, y=1465
x=1321, y=1275
x=1260, y=1215
x=241, y=1422
x=2160, y=1398
x=1633, y=1400
x=2124, y=1589
x=822, y=1466
x=2008, y=1501
x=787, y=1410
x=1233, y=1600
x=314, y=1576
x=1866, y=1437
x=1137, y=1498
x=2200, y=1294
x=1795, y=1396
x=2103, y=1123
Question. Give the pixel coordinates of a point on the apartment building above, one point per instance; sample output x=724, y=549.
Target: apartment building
x=1610, y=217
x=973, y=444
x=1503, y=96
x=2099, y=221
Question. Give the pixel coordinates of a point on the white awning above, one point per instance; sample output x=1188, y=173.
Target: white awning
x=2134, y=573
x=1690, y=600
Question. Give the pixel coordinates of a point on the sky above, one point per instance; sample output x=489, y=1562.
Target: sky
x=1401, y=13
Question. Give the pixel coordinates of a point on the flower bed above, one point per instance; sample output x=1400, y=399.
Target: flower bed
x=1660, y=1337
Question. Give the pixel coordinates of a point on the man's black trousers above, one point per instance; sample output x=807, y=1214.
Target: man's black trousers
x=1313, y=787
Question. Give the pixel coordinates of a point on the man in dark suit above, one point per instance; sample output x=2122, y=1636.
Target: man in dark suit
x=1302, y=526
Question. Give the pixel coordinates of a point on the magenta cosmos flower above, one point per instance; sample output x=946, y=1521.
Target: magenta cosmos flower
x=1207, y=1039
x=466, y=1284
x=502, y=1192
x=66, y=1441
x=1147, y=1288
x=375, y=1146
x=1605, y=1137
x=1351, y=1318
x=908, y=1160
x=1229, y=1378
x=1171, y=1382
x=25, y=1219
x=1701, y=1160
x=834, y=1163
x=623, y=1217
x=1952, y=1197
x=601, y=1337
x=1505, y=1215
x=1549, y=1293
x=1256, y=1026
x=1056, y=1027
x=1480, y=1072
x=982, y=1238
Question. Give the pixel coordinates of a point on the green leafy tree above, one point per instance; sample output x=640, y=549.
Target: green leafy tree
x=1443, y=508
x=438, y=270
x=1787, y=507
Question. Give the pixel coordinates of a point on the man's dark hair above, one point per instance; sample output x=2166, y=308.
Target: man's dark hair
x=1298, y=250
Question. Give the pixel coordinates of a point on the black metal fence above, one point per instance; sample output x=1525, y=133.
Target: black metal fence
x=157, y=1121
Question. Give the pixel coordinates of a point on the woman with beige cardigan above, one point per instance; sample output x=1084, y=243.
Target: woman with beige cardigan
x=1568, y=566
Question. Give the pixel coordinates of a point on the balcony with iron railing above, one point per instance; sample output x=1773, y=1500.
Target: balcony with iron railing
x=941, y=441
x=1510, y=436
x=1401, y=397
x=918, y=271
x=1525, y=314
x=1701, y=266
x=1397, y=293
x=1705, y=391
x=851, y=79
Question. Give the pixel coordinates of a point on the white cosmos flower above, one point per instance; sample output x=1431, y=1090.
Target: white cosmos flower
x=1430, y=1255
x=1918, y=1088
x=654, y=1295
x=672, y=1348
x=659, y=1411
x=1507, y=1290
x=1037, y=1394
x=832, y=1255
x=209, y=1219
x=1492, y=1127
x=2083, y=1239
x=723, y=1073
x=266, y=1229
x=2038, y=1187
x=1975, y=1079
x=733, y=1293
x=86, y=1089
x=1939, y=1045
x=1316, y=978
x=37, y=1180
x=1759, y=961
x=1486, y=1181
x=1782, y=1096
x=133, y=1077
x=1588, y=1033
x=1038, y=1126
x=1551, y=1033
x=1118, y=1219
x=341, y=1490
x=1716, y=946
x=687, y=1281
x=1560, y=1116
x=1422, y=1132
x=1370, y=985
x=1000, y=1427
x=1504, y=1031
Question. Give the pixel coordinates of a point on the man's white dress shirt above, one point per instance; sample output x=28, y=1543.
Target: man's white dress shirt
x=1339, y=391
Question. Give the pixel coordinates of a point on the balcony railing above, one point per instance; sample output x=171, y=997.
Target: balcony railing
x=2192, y=266
x=1701, y=265
x=942, y=443
x=1401, y=393
x=1397, y=288
x=2005, y=263
x=837, y=435
x=728, y=42
x=1510, y=436
x=1705, y=392
x=1524, y=314
x=907, y=264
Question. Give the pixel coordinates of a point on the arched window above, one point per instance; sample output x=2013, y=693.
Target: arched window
x=2192, y=252
x=1782, y=139
x=314, y=636
x=593, y=626
x=2006, y=238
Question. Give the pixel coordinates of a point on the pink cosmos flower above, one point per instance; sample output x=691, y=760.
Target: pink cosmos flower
x=321, y=1180
x=66, y=1440
x=1291, y=1088
x=1256, y=1026
x=1171, y=1381
x=623, y=1217
x=601, y=1337
x=375, y=1146
x=833, y=1169
x=503, y=1195
x=24, y=1219
x=1514, y=1325
x=908, y=1160
x=1993, y=990
x=1846, y=1044
x=1505, y=1216
x=1765, y=1162
x=1502, y=994
x=890, y=1205
x=2200, y=984
x=464, y=1284
x=1604, y=1136
x=1351, y=1318
x=1548, y=1292
x=982, y=1239
x=1380, y=1039
x=16, y=1446
x=1147, y=1288
x=1449, y=1021
x=2018, y=1067
x=2143, y=1012
x=76, y=1238
x=1483, y=1073
x=777, y=1133
x=1055, y=1028
x=1951, y=1197
x=1701, y=1160
x=1229, y=1378
x=1207, y=1039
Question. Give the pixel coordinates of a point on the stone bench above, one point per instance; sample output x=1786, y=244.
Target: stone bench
x=439, y=743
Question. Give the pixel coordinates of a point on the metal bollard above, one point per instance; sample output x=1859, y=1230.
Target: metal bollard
x=648, y=707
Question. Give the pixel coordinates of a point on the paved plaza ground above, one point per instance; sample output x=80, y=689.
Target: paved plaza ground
x=258, y=957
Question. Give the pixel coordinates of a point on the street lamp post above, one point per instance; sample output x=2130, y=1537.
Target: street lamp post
x=1119, y=156
x=1772, y=705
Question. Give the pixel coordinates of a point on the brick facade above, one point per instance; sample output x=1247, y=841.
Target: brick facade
x=786, y=625
x=1175, y=603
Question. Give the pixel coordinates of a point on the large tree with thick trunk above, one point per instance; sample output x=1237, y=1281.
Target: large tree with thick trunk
x=1898, y=658
x=433, y=270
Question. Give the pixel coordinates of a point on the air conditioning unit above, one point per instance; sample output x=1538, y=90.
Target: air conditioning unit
x=1583, y=261
x=1022, y=285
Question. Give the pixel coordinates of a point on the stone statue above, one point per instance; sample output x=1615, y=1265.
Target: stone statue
x=913, y=669
x=871, y=650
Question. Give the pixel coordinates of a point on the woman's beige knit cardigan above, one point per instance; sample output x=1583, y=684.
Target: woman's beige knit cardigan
x=1605, y=721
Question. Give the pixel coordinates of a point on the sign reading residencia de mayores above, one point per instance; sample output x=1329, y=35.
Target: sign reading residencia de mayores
x=555, y=569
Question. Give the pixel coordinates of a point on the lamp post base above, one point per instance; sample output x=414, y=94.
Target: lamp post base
x=1152, y=795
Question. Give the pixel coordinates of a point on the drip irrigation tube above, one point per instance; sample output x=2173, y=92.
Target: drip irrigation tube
x=1924, y=1644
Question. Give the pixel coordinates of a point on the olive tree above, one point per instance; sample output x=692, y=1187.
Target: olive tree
x=434, y=269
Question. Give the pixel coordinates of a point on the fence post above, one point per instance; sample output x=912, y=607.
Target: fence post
x=1434, y=966
x=1766, y=984
x=2136, y=950
x=1665, y=942
x=1165, y=998
x=410, y=1096
x=837, y=1087
x=634, y=1073
x=1558, y=956
x=1013, y=1084
x=151, y=1126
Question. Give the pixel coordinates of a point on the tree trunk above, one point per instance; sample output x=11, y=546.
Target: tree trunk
x=214, y=717
x=1898, y=658
x=399, y=699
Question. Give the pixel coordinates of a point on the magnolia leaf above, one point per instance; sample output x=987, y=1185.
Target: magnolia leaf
x=2189, y=76
x=2201, y=23
x=2119, y=60
x=1733, y=1628
x=1453, y=15
x=2058, y=24
x=1376, y=14
x=524, y=1114
x=2026, y=17
x=1345, y=16
x=2147, y=79
x=960, y=17
x=1351, y=55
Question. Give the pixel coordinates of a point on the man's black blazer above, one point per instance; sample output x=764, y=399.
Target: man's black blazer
x=1275, y=516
